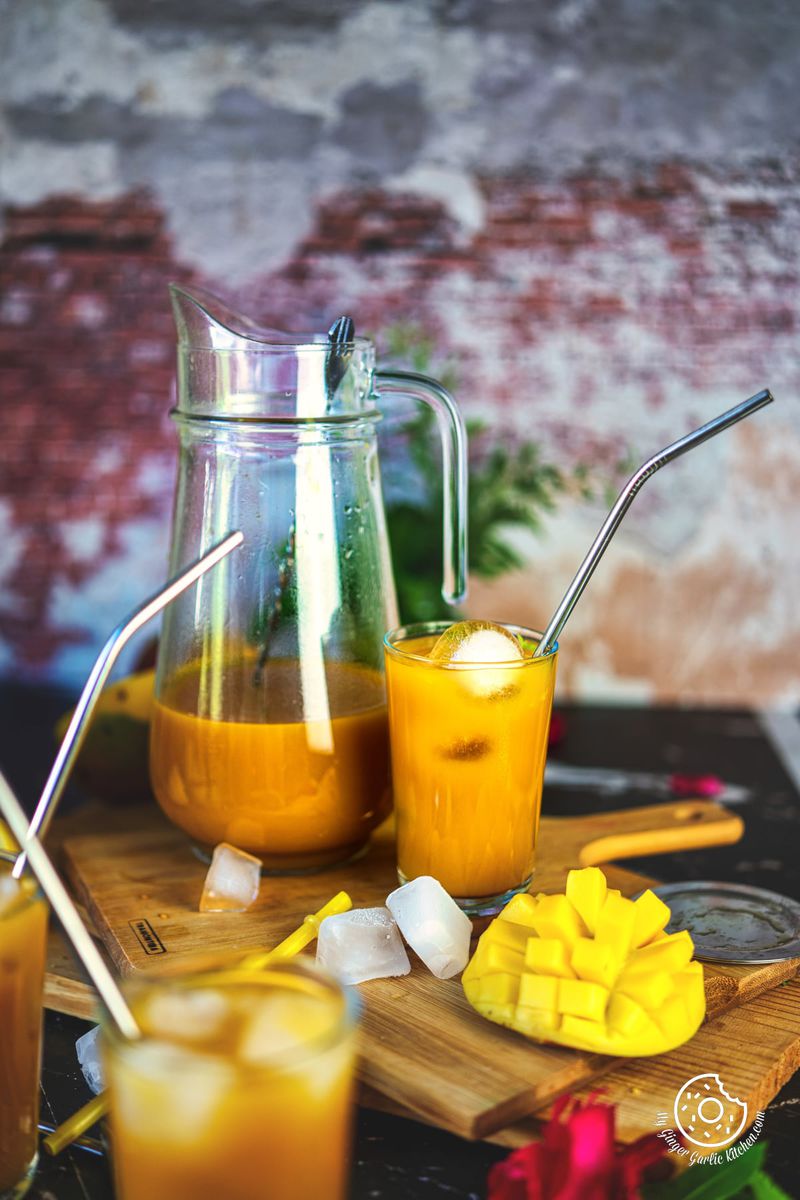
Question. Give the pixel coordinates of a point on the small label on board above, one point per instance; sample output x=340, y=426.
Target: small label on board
x=148, y=938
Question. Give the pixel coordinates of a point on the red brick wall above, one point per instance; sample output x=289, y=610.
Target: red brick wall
x=545, y=308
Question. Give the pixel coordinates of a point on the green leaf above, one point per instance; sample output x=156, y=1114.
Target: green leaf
x=510, y=488
x=764, y=1188
x=721, y=1182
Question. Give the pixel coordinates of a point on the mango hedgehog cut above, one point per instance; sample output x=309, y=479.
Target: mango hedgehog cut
x=589, y=969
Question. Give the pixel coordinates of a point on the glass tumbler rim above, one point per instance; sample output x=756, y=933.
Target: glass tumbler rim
x=416, y=629
x=184, y=976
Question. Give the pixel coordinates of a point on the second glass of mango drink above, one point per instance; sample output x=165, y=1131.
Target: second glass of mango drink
x=23, y=943
x=240, y=1087
x=469, y=741
x=469, y=737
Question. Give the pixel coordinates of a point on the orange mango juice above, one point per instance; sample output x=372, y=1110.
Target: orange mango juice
x=468, y=751
x=240, y=1088
x=23, y=941
x=298, y=789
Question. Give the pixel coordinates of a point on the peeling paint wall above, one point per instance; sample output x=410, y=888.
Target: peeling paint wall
x=593, y=207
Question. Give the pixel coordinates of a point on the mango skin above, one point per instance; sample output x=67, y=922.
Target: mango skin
x=615, y=1002
x=113, y=762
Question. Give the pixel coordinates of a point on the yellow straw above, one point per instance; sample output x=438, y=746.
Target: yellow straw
x=301, y=937
x=85, y=1117
x=77, y=1124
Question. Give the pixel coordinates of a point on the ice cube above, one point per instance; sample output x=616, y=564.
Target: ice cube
x=195, y=1016
x=89, y=1059
x=433, y=925
x=481, y=643
x=173, y=1095
x=9, y=889
x=232, y=882
x=361, y=944
x=280, y=1024
x=477, y=642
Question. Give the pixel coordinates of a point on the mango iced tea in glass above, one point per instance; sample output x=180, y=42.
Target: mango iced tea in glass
x=297, y=785
x=23, y=942
x=469, y=741
x=240, y=1087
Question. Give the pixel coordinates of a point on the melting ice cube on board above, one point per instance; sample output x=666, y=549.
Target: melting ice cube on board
x=361, y=944
x=433, y=925
x=483, y=644
x=89, y=1058
x=232, y=882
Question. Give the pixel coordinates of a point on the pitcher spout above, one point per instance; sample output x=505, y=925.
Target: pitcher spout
x=206, y=322
x=231, y=366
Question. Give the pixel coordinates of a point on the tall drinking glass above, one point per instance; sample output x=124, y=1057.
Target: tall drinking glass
x=469, y=742
x=241, y=1087
x=23, y=943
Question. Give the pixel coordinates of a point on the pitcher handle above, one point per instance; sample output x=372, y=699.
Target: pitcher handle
x=454, y=462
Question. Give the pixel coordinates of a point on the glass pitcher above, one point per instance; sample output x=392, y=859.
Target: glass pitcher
x=270, y=726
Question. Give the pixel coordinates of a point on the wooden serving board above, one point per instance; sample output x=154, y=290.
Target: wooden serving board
x=422, y=1045
x=754, y=1048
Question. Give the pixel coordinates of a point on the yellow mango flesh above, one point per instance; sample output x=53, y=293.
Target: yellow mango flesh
x=589, y=969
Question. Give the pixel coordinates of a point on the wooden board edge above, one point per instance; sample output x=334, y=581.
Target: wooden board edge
x=83, y=897
x=69, y=996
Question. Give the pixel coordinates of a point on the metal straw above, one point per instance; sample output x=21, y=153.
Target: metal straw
x=74, y=737
x=623, y=502
x=67, y=913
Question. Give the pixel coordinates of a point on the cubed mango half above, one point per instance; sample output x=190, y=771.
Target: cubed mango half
x=589, y=969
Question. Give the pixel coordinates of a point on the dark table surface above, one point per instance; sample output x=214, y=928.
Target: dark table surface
x=395, y=1158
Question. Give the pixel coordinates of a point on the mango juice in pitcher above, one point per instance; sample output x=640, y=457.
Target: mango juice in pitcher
x=296, y=790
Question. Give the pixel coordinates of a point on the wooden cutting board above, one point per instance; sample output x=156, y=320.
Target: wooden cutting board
x=141, y=886
x=755, y=1049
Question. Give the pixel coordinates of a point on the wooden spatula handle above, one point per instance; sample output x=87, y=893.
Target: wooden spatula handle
x=659, y=829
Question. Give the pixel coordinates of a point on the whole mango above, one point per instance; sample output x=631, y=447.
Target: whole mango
x=589, y=969
x=113, y=761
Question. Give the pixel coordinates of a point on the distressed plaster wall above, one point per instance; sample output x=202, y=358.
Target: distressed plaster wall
x=593, y=207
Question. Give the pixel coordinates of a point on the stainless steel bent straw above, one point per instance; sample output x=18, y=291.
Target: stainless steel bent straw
x=67, y=913
x=73, y=738
x=623, y=502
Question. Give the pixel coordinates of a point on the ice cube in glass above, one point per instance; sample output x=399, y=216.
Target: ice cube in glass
x=184, y=1015
x=10, y=890
x=476, y=646
x=282, y=1024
